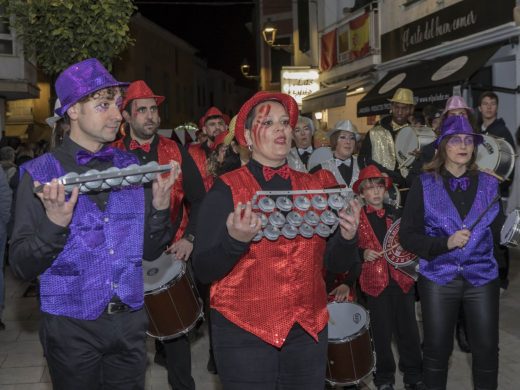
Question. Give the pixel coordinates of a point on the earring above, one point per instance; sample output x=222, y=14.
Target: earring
x=250, y=148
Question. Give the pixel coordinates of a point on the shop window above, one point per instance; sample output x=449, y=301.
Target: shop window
x=6, y=38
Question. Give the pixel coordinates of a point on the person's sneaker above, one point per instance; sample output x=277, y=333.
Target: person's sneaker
x=415, y=386
x=386, y=386
x=2, y=325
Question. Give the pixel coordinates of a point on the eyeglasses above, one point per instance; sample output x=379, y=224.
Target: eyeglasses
x=458, y=141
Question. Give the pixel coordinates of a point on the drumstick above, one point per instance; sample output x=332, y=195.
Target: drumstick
x=389, y=249
x=495, y=199
x=404, y=189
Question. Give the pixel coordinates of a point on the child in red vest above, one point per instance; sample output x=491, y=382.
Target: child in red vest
x=389, y=294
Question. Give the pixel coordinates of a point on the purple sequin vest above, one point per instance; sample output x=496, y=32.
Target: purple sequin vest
x=102, y=256
x=475, y=262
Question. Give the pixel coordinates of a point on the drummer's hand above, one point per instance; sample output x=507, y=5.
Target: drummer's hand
x=162, y=186
x=340, y=293
x=371, y=255
x=349, y=219
x=242, y=224
x=459, y=239
x=58, y=210
x=181, y=249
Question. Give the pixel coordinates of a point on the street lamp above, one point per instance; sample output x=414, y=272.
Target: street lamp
x=269, y=33
x=245, y=68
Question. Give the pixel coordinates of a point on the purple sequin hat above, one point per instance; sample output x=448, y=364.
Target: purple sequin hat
x=80, y=80
x=457, y=124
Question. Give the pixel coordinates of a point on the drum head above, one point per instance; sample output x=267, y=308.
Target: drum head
x=510, y=229
x=406, y=142
x=346, y=319
x=318, y=156
x=160, y=272
x=488, y=153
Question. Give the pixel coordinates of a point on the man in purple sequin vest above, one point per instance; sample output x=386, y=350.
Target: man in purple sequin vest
x=87, y=248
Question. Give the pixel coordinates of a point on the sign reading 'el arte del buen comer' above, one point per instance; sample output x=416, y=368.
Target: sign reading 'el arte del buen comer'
x=456, y=21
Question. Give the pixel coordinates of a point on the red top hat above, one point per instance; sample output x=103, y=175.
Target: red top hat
x=287, y=101
x=212, y=111
x=139, y=90
x=370, y=172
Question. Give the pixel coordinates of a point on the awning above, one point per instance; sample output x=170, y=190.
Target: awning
x=432, y=81
x=325, y=98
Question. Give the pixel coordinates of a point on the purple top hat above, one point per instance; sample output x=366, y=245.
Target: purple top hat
x=80, y=80
x=457, y=125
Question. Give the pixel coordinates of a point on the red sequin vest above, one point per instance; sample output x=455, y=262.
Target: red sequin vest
x=375, y=274
x=199, y=156
x=275, y=284
x=168, y=150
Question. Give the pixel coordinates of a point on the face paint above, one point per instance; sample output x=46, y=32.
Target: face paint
x=259, y=128
x=119, y=102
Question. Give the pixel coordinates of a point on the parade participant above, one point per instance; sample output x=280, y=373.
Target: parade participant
x=344, y=166
x=87, y=249
x=302, y=135
x=269, y=315
x=450, y=221
x=140, y=111
x=378, y=147
x=389, y=292
x=212, y=124
x=490, y=124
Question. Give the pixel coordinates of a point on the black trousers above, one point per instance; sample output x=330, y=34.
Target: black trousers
x=178, y=363
x=246, y=362
x=393, y=314
x=440, y=308
x=107, y=353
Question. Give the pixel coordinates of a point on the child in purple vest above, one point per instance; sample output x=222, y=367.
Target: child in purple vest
x=87, y=248
x=450, y=220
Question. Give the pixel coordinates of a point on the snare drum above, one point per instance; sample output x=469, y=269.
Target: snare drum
x=170, y=298
x=410, y=140
x=496, y=154
x=351, y=356
x=510, y=233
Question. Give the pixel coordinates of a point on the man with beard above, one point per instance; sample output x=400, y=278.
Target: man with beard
x=212, y=123
x=378, y=147
x=141, y=113
x=302, y=136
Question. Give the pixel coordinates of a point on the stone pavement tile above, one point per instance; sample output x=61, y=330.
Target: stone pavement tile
x=46, y=377
x=23, y=360
x=20, y=375
x=33, y=347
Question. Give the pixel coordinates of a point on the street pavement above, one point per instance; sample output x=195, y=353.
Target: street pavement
x=23, y=367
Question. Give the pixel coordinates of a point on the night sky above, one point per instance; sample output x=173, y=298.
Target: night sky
x=219, y=32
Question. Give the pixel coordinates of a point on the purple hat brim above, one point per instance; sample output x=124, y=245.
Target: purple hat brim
x=63, y=109
x=478, y=138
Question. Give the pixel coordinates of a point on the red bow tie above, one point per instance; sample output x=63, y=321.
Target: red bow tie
x=136, y=145
x=283, y=172
x=380, y=213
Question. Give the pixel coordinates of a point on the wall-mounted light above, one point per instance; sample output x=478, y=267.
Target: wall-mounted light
x=269, y=34
x=318, y=115
x=356, y=91
x=245, y=68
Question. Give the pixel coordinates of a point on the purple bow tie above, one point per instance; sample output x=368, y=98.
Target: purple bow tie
x=83, y=157
x=461, y=182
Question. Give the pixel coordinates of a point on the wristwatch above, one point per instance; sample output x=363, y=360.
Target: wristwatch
x=189, y=237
